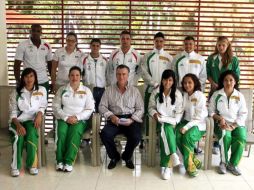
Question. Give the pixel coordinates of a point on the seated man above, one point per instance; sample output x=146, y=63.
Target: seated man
x=123, y=108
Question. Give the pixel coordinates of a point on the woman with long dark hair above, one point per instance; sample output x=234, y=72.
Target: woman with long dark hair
x=166, y=107
x=228, y=108
x=193, y=125
x=27, y=106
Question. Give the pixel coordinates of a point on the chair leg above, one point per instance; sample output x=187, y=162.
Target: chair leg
x=249, y=151
x=153, y=152
x=98, y=142
x=43, y=147
x=93, y=153
x=39, y=149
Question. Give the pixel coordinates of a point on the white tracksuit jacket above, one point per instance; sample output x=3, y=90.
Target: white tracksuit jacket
x=95, y=71
x=153, y=65
x=69, y=103
x=131, y=59
x=195, y=110
x=194, y=63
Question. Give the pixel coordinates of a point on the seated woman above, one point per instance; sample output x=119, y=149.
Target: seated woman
x=228, y=108
x=72, y=107
x=166, y=107
x=27, y=105
x=193, y=125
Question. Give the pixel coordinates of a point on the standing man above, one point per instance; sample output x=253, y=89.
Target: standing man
x=94, y=67
x=125, y=55
x=189, y=61
x=36, y=54
x=123, y=108
x=153, y=65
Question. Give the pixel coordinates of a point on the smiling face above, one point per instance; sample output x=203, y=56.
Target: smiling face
x=29, y=80
x=188, y=85
x=167, y=83
x=71, y=41
x=189, y=46
x=74, y=77
x=229, y=83
x=95, y=47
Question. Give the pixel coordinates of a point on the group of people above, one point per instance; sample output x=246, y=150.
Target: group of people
x=174, y=98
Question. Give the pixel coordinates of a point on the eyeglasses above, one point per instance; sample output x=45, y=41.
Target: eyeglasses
x=70, y=40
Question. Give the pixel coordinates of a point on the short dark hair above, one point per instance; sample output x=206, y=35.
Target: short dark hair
x=72, y=34
x=75, y=36
x=197, y=84
x=97, y=40
x=75, y=68
x=189, y=38
x=123, y=67
x=223, y=76
x=22, y=84
x=159, y=35
x=125, y=32
x=36, y=26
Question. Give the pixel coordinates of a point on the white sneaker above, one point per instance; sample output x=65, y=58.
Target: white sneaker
x=167, y=173
x=181, y=169
x=33, y=171
x=216, y=150
x=175, y=159
x=59, y=166
x=14, y=172
x=67, y=168
x=162, y=170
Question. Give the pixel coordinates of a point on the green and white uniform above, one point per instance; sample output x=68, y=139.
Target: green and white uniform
x=170, y=116
x=153, y=65
x=24, y=107
x=195, y=112
x=233, y=110
x=69, y=103
x=194, y=63
x=214, y=67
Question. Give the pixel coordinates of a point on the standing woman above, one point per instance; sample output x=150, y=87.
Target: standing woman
x=166, y=107
x=63, y=59
x=228, y=108
x=72, y=107
x=27, y=105
x=193, y=125
x=221, y=60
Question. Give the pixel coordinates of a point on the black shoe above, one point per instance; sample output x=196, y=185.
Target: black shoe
x=197, y=150
x=112, y=163
x=141, y=146
x=129, y=164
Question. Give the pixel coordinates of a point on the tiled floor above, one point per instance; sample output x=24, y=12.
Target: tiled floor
x=87, y=177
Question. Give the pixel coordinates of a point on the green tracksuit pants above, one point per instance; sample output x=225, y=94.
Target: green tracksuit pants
x=68, y=141
x=167, y=143
x=29, y=141
x=186, y=143
x=235, y=139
